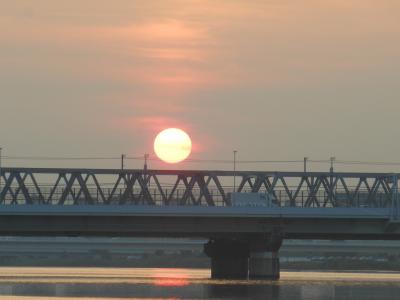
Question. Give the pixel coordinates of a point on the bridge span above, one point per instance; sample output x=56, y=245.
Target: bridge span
x=243, y=240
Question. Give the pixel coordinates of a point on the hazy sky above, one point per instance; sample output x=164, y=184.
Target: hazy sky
x=274, y=79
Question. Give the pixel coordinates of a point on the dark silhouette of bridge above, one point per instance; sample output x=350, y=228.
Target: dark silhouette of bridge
x=243, y=240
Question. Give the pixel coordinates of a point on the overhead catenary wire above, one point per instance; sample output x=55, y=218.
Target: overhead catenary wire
x=59, y=158
x=195, y=160
x=141, y=158
x=375, y=163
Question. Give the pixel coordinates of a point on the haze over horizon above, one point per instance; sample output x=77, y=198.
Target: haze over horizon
x=275, y=80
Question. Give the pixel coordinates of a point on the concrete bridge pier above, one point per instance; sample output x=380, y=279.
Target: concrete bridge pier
x=264, y=256
x=255, y=257
x=264, y=265
x=229, y=258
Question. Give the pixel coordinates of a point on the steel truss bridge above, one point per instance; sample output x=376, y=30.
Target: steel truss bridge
x=243, y=240
x=21, y=186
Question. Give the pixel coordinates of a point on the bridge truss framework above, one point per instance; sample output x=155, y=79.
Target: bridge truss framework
x=196, y=187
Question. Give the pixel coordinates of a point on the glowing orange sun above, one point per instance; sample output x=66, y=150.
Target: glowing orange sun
x=172, y=145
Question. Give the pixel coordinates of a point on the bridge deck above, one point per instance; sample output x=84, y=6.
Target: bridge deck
x=195, y=211
x=239, y=222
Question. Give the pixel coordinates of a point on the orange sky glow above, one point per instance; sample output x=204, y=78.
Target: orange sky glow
x=272, y=79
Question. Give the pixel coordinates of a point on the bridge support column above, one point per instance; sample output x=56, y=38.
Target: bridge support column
x=264, y=256
x=264, y=265
x=229, y=258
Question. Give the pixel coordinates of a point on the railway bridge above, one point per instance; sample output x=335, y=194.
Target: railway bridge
x=244, y=240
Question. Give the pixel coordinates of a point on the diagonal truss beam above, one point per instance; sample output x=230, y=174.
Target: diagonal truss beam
x=209, y=188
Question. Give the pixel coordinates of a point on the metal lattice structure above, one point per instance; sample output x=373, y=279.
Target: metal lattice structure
x=190, y=187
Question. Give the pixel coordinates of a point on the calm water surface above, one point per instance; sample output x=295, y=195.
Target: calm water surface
x=118, y=283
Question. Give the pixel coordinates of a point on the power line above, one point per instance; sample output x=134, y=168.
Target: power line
x=141, y=158
x=376, y=163
x=240, y=161
x=57, y=158
x=222, y=161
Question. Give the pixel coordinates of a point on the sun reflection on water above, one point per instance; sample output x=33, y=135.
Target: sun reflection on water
x=170, y=277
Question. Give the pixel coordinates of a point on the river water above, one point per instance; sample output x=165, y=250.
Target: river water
x=141, y=283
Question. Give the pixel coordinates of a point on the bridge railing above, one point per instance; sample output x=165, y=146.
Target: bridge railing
x=211, y=188
x=281, y=198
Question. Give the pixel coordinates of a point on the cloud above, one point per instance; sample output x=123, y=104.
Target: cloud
x=214, y=67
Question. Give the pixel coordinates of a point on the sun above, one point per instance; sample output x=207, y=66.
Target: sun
x=172, y=145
